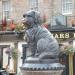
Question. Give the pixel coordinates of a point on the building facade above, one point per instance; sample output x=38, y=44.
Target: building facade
x=14, y=9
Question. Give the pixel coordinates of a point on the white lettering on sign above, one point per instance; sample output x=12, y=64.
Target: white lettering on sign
x=66, y=35
x=56, y=36
x=62, y=35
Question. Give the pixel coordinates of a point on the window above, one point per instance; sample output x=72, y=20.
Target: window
x=67, y=6
x=6, y=8
x=33, y=4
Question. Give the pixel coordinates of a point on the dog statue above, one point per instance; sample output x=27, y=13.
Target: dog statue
x=40, y=41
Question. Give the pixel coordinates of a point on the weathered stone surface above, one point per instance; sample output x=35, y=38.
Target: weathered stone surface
x=50, y=72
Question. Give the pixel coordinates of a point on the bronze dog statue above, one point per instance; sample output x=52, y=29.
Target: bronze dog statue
x=40, y=41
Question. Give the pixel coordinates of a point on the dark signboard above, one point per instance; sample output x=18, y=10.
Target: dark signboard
x=64, y=35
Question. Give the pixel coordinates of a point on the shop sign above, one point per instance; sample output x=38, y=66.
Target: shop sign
x=64, y=35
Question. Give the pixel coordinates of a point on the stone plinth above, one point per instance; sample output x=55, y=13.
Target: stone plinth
x=49, y=72
x=43, y=67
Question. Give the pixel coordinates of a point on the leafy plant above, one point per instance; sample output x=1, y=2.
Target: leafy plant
x=14, y=53
x=19, y=27
x=69, y=49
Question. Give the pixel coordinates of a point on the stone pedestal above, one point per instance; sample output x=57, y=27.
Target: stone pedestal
x=49, y=72
x=42, y=69
x=34, y=66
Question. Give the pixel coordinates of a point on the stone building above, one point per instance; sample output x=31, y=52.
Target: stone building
x=14, y=9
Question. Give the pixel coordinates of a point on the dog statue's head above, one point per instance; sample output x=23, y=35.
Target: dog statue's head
x=31, y=18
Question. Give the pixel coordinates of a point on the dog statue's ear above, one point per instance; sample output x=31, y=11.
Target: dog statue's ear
x=37, y=18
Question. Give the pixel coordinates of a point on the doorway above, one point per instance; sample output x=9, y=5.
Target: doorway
x=4, y=57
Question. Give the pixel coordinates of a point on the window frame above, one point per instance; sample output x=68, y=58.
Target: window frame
x=6, y=8
x=33, y=4
x=67, y=7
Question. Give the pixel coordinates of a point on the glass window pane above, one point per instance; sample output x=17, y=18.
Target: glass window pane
x=7, y=14
x=6, y=5
x=67, y=6
x=6, y=8
x=33, y=4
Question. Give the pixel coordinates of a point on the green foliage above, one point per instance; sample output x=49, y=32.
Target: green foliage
x=14, y=53
x=19, y=27
x=69, y=49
